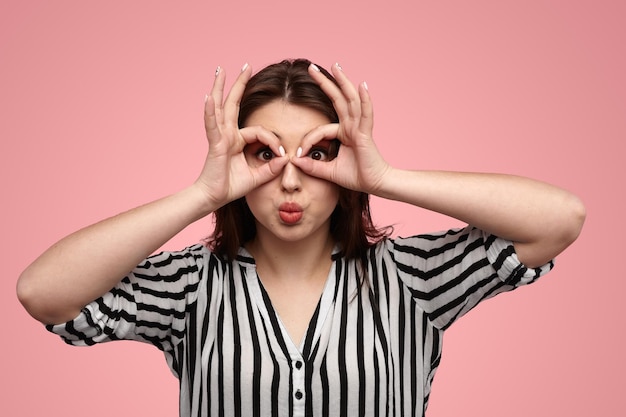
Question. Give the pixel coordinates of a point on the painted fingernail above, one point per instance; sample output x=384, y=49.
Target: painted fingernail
x=217, y=71
x=281, y=150
x=315, y=67
x=338, y=66
x=244, y=67
x=299, y=152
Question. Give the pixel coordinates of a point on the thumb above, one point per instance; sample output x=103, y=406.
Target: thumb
x=269, y=171
x=318, y=169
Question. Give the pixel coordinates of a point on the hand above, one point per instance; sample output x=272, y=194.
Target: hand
x=358, y=165
x=226, y=175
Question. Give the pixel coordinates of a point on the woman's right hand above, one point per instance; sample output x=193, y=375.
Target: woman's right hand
x=89, y=262
x=226, y=175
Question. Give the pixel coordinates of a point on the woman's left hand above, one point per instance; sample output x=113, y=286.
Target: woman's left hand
x=358, y=165
x=541, y=219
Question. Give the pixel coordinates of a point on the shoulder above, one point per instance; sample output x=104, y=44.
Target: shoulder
x=427, y=245
x=197, y=254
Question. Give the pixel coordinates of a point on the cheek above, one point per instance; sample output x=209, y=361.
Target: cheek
x=259, y=200
x=330, y=195
x=252, y=200
x=333, y=190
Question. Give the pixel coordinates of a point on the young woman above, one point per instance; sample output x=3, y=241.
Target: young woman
x=298, y=305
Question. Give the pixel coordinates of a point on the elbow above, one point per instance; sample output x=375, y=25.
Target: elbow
x=575, y=214
x=27, y=295
x=557, y=233
x=34, y=300
x=571, y=219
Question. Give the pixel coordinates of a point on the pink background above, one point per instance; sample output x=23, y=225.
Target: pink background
x=101, y=110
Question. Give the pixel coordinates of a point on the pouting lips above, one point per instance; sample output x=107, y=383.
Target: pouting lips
x=290, y=212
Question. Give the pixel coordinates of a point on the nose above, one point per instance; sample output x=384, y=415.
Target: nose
x=291, y=178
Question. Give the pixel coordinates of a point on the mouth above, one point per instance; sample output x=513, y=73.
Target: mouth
x=290, y=213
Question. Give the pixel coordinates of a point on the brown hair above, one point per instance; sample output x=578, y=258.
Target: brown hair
x=350, y=223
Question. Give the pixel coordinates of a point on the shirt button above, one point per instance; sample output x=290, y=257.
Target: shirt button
x=298, y=364
x=298, y=395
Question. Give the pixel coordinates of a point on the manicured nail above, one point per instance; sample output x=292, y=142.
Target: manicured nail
x=338, y=66
x=299, y=152
x=244, y=67
x=217, y=71
x=315, y=67
x=365, y=86
x=281, y=150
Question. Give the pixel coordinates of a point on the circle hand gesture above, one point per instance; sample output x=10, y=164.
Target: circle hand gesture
x=226, y=175
x=358, y=165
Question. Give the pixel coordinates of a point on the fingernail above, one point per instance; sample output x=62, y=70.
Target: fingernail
x=206, y=98
x=315, y=67
x=244, y=67
x=299, y=152
x=217, y=71
x=281, y=150
x=338, y=66
x=365, y=85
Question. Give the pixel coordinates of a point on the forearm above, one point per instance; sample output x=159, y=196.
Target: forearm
x=86, y=264
x=541, y=219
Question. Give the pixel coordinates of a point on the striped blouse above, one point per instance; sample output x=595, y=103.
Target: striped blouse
x=372, y=346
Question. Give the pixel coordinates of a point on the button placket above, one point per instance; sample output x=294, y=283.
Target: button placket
x=298, y=379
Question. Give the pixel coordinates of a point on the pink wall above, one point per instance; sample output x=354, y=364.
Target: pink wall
x=101, y=110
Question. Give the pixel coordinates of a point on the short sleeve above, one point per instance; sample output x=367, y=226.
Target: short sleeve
x=501, y=255
x=451, y=272
x=148, y=305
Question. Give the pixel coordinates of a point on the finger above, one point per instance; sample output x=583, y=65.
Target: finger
x=217, y=91
x=331, y=90
x=210, y=119
x=320, y=133
x=348, y=90
x=231, y=105
x=320, y=169
x=366, y=123
x=254, y=134
x=266, y=172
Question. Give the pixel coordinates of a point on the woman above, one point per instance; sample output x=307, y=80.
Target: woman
x=299, y=305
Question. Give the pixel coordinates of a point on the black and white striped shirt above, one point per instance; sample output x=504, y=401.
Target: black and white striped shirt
x=370, y=350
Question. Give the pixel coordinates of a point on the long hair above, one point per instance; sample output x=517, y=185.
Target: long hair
x=351, y=224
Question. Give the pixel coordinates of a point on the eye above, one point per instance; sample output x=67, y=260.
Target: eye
x=264, y=154
x=319, y=154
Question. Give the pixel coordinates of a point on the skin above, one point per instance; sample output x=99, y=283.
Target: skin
x=541, y=220
x=287, y=255
x=318, y=198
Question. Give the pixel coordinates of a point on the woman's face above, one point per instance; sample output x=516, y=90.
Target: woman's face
x=293, y=206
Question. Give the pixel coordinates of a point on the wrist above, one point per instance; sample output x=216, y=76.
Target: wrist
x=197, y=200
x=389, y=183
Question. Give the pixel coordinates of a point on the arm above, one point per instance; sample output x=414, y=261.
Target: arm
x=86, y=264
x=541, y=220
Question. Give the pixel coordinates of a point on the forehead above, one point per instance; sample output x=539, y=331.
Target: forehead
x=284, y=118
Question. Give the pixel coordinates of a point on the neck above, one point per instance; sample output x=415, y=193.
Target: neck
x=301, y=260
